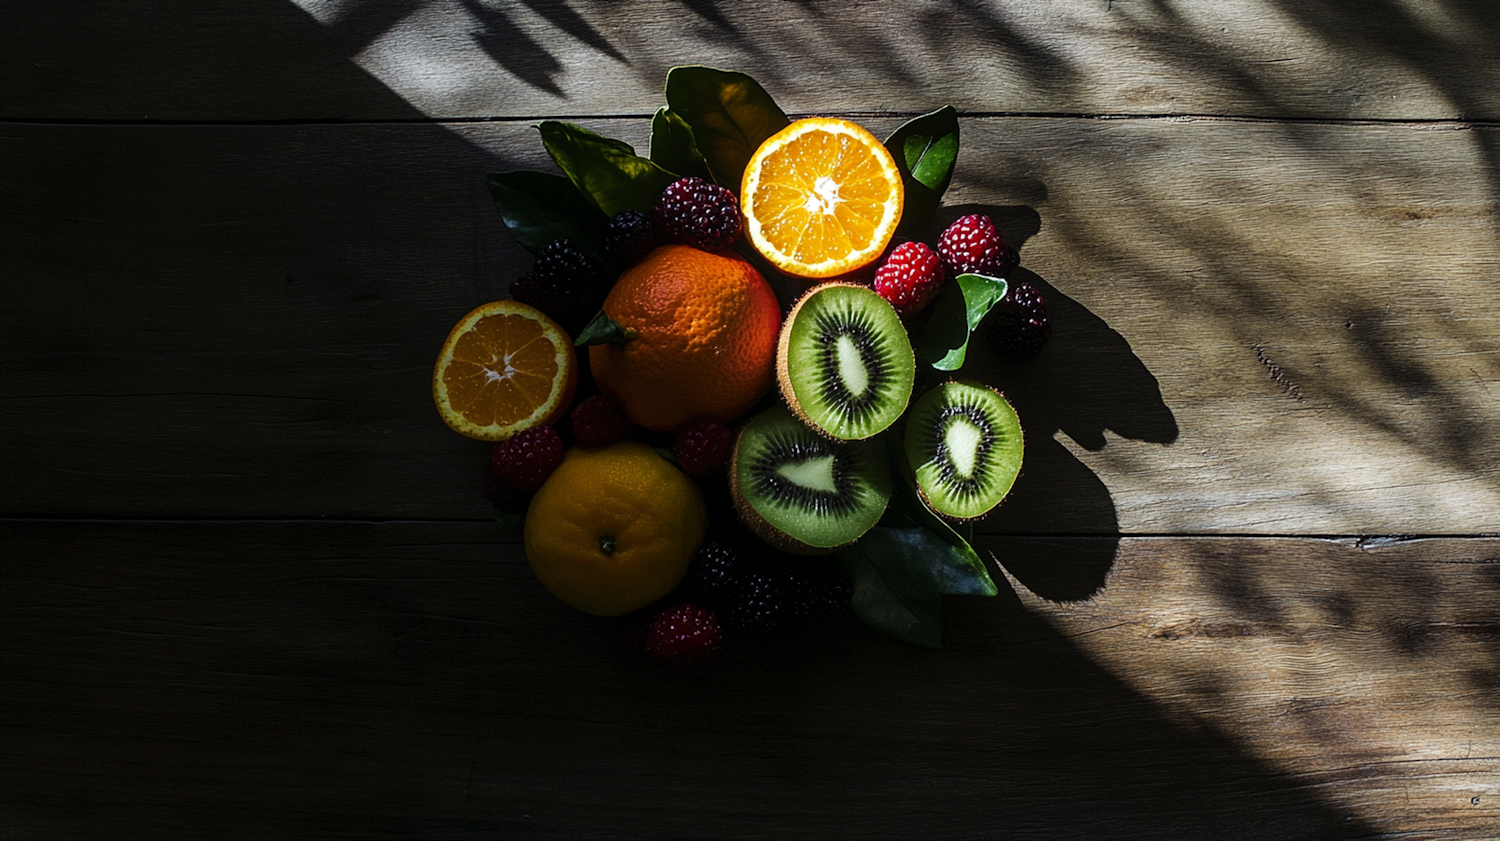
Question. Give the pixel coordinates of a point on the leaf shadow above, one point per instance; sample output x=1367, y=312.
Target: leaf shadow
x=1085, y=381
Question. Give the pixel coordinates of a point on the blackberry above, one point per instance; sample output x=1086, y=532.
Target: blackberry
x=716, y=574
x=816, y=590
x=630, y=237
x=761, y=604
x=695, y=212
x=1019, y=325
x=566, y=284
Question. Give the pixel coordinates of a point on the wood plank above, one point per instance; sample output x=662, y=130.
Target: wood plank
x=1261, y=327
x=398, y=59
x=1338, y=662
x=411, y=679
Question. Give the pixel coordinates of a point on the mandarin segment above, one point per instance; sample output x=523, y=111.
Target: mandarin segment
x=821, y=198
x=504, y=367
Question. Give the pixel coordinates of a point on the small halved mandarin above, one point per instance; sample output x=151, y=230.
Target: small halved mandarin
x=505, y=367
x=821, y=198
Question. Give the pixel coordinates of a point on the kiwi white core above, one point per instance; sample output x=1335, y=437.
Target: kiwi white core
x=963, y=439
x=852, y=368
x=815, y=474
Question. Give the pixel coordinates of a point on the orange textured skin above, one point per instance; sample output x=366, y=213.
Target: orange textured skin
x=705, y=346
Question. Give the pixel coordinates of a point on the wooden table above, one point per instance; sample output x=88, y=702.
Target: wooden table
x=250, y=586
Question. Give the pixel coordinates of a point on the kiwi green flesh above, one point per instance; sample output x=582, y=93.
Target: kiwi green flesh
x=789, y=481
x=848, y=366
x=964, y=443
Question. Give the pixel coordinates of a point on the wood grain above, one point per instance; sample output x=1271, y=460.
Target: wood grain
x=343, y=680
x=248, y=586
x=314, y=59
x=1261, y=327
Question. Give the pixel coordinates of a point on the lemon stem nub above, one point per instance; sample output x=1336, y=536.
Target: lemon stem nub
x=603, y=330
x=607, y=545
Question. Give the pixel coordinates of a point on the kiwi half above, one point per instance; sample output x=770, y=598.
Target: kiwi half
x=844, y=362
x=803, y=492
x=964, y=443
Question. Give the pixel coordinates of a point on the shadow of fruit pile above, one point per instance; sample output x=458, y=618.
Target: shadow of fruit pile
x=722, y=398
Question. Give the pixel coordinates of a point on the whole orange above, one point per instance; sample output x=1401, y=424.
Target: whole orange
x=614, y=528
x=703, y=329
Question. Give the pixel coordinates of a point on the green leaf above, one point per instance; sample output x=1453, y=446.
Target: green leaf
x=917, y=559
x=603, y=330
x=952, y=559
x=957, y=311
x=607, y=171
x=925, y=149
x=673, y=146
x=512, y=525
x=539, y=208
x=889, y=607
x=730, y=115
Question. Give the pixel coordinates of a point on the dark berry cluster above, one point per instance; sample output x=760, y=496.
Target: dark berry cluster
x=630, y=237
x=761, y=594
x=912, y=275
x=565, y=283
x=1019, y=325
x=699, y=213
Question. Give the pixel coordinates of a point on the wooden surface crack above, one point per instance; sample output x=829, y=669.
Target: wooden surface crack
x=1278, y=375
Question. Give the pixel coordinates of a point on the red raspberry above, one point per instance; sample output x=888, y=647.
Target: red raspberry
x=703, y=447
x=683, y=636
x=971, y=245
x=598, y=422
x=910, y=278
x=694, y=212
x=523, y=462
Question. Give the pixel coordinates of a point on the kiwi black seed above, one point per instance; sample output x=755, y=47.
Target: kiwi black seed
x=844, y=362
x=963, y=440
x=804, y=492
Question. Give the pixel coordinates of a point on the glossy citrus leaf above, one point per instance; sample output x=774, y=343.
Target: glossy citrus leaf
x=730, y=115
x=955, y=314
x=673, y=146
x=607, y=171
x=539, y=208
x=925, y=149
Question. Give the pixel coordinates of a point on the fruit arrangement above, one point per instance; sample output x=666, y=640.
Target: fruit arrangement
x=709, y=455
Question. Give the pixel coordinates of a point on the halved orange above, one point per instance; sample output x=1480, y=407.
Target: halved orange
x=822, y=197
x=505, y=367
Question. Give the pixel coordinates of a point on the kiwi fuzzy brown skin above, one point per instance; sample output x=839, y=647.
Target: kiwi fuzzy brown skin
x=783, y=346
x=864, y=494
x=752, y=518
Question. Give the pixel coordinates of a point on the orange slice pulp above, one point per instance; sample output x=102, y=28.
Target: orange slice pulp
x=821, y=198
x=505, y=367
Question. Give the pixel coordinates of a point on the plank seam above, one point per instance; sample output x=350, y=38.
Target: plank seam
x=1437, y=122
x=1360, y=540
